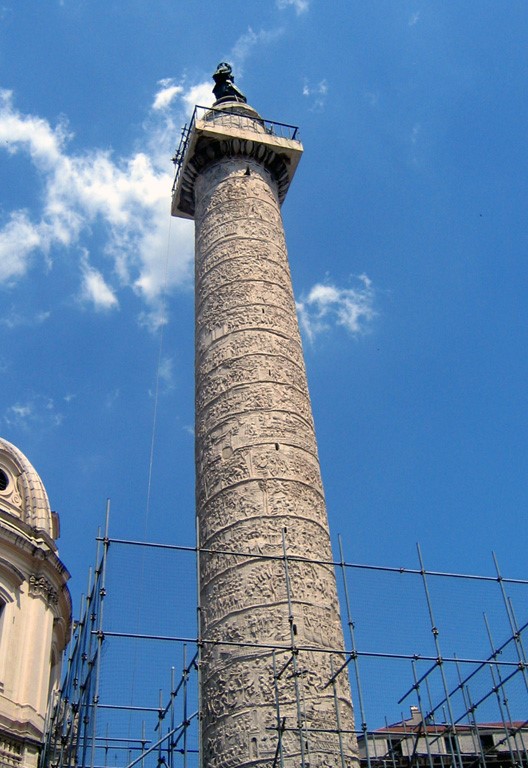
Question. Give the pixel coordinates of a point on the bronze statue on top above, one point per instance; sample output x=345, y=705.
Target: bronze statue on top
x=225, y=88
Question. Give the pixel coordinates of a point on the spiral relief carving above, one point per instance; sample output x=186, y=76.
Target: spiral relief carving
x=258, y=486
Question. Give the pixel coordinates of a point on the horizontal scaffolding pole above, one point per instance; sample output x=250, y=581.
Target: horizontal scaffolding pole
x=312, y=561
x=307, y=649
x=128, y=707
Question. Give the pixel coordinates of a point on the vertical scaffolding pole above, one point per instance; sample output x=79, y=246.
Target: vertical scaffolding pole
x=420, y=708
x=500, y=690
x=353, y=653
x=161, y=715
x=470, y=712
x=338, y=721
x=199, y=645
x=294, y=651
x=432, y=710
x=86, y=656
x=185, y=714
x=440, y=662
x=390, y=750
x=170, y=744
x=143, y=741
x=100, y=634
x=514, y=630
x=280, y=723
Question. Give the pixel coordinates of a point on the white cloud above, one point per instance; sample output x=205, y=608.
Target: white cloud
x=301, y=6
x=317, y=93
x=19, y=238
x=166, y=95
x=129, y=197
x=327, y=305
x=94, y=288
x=201, y=94
x=155, y=318
x=31, y=133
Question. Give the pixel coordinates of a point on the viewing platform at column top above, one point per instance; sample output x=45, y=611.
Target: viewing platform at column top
x=232, y=130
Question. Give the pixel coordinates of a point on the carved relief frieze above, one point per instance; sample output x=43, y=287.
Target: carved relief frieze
x=223, y=188
x=256, y=709
x=224, y=231
x=257, y=207
x=219, y=161
x=258, y=476
x=261, y=315
x=229, y=296
x=273, y=500
x=270, y=317
x=259, y=537
x=229, y=380
x=256, y=587
x=245, y=261
x=248, y=342
x=256, y=462
x=259, y=396
x=249, y=258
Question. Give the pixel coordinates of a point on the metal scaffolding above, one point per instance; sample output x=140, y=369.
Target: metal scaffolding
x=448, y=645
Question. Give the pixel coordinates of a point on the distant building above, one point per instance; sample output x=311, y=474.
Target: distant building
x=35, y=609
x=415, y=742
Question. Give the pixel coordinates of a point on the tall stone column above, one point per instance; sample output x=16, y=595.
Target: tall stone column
x=270, y=620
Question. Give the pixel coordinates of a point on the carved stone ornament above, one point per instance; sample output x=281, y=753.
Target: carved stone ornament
x=10, y=752
x=39, y=586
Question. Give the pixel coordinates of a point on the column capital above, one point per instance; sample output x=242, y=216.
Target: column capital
x=232, y=130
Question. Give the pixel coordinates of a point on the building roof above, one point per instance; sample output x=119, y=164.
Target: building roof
x=22, y=492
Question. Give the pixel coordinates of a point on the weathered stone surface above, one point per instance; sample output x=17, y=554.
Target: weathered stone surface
x=258, y=487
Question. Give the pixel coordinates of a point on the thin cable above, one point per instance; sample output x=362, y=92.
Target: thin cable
x=158, y=376
x=150, y=466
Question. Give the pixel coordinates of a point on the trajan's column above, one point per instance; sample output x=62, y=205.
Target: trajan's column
x=269, y=614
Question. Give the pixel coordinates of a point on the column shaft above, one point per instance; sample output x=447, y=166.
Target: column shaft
x=259, y=484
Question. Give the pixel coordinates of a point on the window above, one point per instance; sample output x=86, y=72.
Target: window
x=4, y=480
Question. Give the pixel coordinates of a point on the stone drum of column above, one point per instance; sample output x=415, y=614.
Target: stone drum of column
x=270, y=623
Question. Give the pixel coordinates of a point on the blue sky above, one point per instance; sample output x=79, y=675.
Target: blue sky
x=406, y=228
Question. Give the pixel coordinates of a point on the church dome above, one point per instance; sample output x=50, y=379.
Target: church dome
x=22, y=492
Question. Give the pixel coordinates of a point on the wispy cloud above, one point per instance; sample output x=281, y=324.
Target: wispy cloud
x=316, y=93
x=37, y=411
x=166, y=373
x=300, y=6
x=129, y=196
x=165, y=377
x=112, y=398
x=245, y=44
x=326, y=305
x=13, y=319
